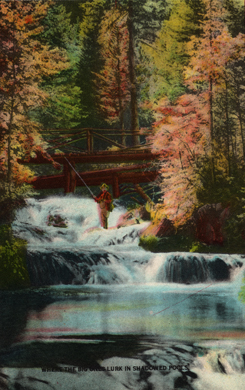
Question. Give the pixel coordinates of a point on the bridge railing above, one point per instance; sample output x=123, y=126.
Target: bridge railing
x=85, y=139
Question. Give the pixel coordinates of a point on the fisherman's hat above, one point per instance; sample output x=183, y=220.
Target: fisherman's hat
x=104, y=186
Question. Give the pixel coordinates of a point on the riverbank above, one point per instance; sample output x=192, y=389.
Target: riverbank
x=211, y=229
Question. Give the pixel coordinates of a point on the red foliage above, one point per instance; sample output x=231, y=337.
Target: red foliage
x=181, y=137
x=22, y=69
x=28, y=19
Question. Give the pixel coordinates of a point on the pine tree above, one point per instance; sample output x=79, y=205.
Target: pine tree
x=143, y=20
x=63, y=107
x=169, y=52
x=91, y=15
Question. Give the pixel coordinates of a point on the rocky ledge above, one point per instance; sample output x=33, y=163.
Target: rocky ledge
x=217, y=366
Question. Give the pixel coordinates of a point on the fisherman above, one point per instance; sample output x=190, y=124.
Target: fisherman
x=105, y=204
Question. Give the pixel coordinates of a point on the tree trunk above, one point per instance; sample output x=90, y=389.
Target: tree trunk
x=132, y=78
x=10, y=126
x=240, y=118
x=211, y=119
x=227, y=128
x=123, y=139
x=142, y=193
x=211, y=125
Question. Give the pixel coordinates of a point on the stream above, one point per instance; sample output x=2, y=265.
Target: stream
x=96, y=294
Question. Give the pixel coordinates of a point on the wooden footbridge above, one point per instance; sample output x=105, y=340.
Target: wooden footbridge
x=138, y=159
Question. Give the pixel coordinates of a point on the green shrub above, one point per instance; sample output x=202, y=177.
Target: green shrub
x=13, y=271
x=241, y=294
x=175, y=243
x=149, y=243
x=203, y=248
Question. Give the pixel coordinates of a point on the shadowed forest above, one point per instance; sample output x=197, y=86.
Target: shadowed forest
x=171, y=69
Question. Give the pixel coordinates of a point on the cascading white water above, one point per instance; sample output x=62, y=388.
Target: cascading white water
x=84, y=253
x=83, y=224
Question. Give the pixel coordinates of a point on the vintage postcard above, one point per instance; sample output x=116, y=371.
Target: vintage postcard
x=122, y=194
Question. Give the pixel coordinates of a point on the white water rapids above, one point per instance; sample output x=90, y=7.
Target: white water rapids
x=180, y=296
x=84, y=253
x=82, y=218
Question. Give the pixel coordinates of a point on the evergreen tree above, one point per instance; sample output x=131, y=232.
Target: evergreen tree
x=63, y=108
x=169, y=53
x=235, y=18
x=91, y=14
x=143, y=20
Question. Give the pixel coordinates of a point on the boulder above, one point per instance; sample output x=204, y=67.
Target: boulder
x=163, y=228
x=208, y=222
x=133, y=217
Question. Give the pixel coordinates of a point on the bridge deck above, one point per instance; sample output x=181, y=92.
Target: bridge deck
x=115, y=176
x=97, y=157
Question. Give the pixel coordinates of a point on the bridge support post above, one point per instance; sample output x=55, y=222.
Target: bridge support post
x=90, y=141
x=115, y=187
x=69, y=178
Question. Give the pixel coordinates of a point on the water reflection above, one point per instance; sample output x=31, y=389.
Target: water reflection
x=74, y=315
x=15, y=309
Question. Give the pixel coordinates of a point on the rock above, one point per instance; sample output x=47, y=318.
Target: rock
x=3, y=381
x=232, y=361
x=35, y=379
x=184, y=348
x=128, y=219
x=208, y=222
x=221, y=369
x=170, y=380
x=164, y=228
x=157, y=381
x=144, y=214
x=130, y=379
x=218, y=269
x=133, y=217
x=120, y=373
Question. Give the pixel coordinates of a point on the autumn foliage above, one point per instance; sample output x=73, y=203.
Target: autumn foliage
x=181, y=136
x=113, y=80
x=180, y=61
x=24, y=61
x=201, y=133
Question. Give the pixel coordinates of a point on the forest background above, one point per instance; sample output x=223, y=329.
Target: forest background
x=172, y=68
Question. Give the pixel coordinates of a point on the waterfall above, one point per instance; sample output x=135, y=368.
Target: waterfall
x=79, y=251
x=82, y=224
x=192, y=268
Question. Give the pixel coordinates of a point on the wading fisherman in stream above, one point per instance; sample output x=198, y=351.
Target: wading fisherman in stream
x=105, y=205
x=104, y=199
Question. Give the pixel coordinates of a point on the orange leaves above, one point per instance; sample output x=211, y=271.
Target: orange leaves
x=215, y=50
x=181, y=136
x=24, y=62
x=112, y=82
x=29, y=19
x=21, y=174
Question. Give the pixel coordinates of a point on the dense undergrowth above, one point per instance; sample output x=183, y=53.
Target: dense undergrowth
x=180, y=243
x=13, y=271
